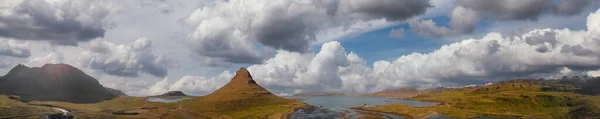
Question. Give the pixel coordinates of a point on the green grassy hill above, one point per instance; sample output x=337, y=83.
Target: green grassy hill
x=515, y=98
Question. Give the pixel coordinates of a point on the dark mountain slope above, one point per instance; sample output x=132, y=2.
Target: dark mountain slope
x=174, y=93
x=53, y=82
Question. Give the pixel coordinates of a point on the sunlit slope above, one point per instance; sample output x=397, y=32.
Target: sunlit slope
x=242, y=97
x=14, y=109
x=517, y=98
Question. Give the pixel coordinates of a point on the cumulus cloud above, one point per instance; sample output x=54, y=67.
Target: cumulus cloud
x=14, y=48
x=491, y=58
x=125, y=60
x=593, y=73
x=462, y=20
x=236, y=29
x=191, y=85
x=428, y=28
x=389, y=9
x=195, y=85
x=466, y=14
x=63, y=22
x=473, y=61
x=52, y=57
x=12, y=52
x=314, y=72
x=137, y=87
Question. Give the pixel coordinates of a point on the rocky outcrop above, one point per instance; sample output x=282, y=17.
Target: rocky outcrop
x=174, y=93
x=242, y=83
x=116, y=92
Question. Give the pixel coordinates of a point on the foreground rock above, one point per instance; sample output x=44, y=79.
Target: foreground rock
x=53, y=82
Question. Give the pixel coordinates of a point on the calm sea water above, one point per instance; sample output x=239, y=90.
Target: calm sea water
x=330, y=107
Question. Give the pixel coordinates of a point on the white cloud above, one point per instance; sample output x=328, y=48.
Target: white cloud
x=191, y=85
x=467, y=13
x=540, y=53
x=428, y=28
x=12, y=52
x=52, y=57
x=593, y=73
x=60, y=21
x=237, y=29
x=472, y=61
x=14, y=48
x=288, y=71
x=125, y=60
x=194, y=85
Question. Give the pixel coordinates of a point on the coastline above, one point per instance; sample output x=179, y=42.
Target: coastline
x=392, y=113
x=288, y=115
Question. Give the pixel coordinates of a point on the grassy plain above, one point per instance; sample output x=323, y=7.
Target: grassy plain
x=515, y=99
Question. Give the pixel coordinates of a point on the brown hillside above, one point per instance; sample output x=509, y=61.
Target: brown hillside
x=242, y=83
x=242, y=97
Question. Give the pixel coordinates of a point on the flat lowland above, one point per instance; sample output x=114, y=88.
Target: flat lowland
x=513, y=99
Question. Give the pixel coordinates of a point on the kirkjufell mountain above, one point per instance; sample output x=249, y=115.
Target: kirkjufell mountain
x=53, y=82
x=242, y=84
x=242, y=97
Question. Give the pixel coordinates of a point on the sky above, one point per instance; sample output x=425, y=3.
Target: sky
x=149, y=47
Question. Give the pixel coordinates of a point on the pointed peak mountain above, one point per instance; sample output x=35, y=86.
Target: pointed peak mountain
x=18, y=68
x=242, y=83
x=242, y=95
x=243, y=76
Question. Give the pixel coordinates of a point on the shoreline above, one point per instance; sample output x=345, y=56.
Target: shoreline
x=288, y=115
x=392, y=113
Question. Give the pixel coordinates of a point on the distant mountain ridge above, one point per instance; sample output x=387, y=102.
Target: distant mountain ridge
x=116, y=92
x=53, y=82
x=174, y=93
x=320, y=94
x=404, y=93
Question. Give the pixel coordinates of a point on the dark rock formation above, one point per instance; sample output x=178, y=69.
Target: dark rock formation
x=116, y=92
x=53, y=82
x=174, y=93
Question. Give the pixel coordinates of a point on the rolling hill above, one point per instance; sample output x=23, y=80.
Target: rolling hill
x=53, y=82
x=521, y=98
